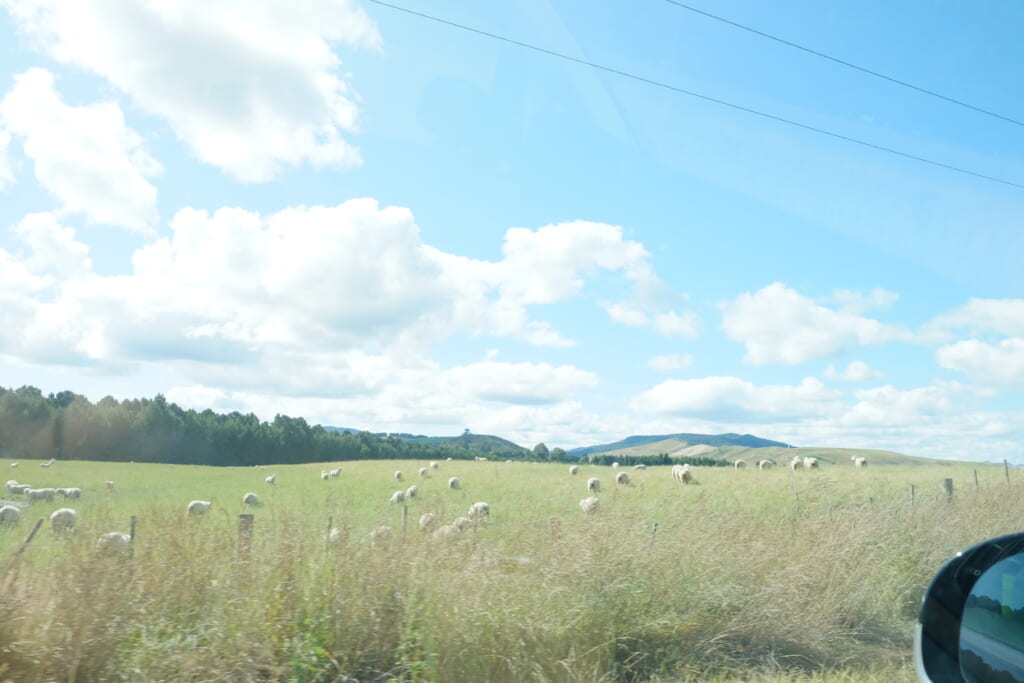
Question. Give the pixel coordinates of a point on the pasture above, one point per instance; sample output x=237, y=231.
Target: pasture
x=744, y=575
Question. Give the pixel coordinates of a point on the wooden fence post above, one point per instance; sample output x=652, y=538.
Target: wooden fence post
x=975, y=479
x=1006, y=468
x=948, y=485
x=911, y=495
x=28, y=539
x=245, y=522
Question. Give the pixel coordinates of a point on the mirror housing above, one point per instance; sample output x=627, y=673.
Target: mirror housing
x=937, y=645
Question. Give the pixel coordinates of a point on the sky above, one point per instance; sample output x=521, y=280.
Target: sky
x=367, y=218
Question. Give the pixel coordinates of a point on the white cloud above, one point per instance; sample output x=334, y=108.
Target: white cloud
x=779, y=325
x=858, y=302
x=730, y=399
x=682, y=325
x=1003, y=316
x=85, y=156
x=857, y=371
x=675, y=361
x=6, y=169
x=888, y=406
x=626, y=314
x=247, y=85
x=996, y=365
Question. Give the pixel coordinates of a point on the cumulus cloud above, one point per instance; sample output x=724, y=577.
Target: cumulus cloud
x=998, y=365
x=675, y=361
x=777, y=324
x=1002, y=316
x=6, y=168
x=888, y=406
x=731, y=398
x=860, y=302
x=248, y=85
x=85, y=156
x=857, y=371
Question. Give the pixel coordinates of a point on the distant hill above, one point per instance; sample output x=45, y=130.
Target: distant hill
x=483, y=443
x=670, y=443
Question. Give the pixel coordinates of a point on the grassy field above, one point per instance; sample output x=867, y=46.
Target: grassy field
x=744, y=576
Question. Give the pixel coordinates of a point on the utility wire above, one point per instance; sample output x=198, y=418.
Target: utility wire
x=707, y=98
x=862, y=69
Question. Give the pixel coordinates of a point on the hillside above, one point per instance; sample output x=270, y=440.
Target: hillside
x=676, y=448
x=678, y=441
x=484, y=443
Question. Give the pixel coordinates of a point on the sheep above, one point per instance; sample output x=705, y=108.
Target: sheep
x=454, y=483
x=381, y=536
x=478, y=511
x=40, y=494
x=682, y=473
x=434, y=465
x=447, y=533
x=114, y=543
x=11, y=485
x=574, y=470
x=9, y=514
x=110, y=485
x=72, y=493
x=765, y=464
x=589, y=505
x=335, y=473
x=428, y=520
x=593, y=485
x=396, y=498
x=810, y=463
x=641, y=466
x=859, y=460
x=740, y=464
x=45, y=464
x=480, y=459
x=19, y=489
x=199, y=507
x=14, y=464
x=796, y=463
x=251, y=499
x=324, y=475
x=424, y=472
x=63, y=520
x=615, y=464
x=462, y=523
x=622, y=479
x=411, y=492
x=271, y=479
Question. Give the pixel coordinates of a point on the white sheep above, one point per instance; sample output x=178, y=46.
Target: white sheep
x=325, y=475
x=114, y=543
x=810, y=463
x=46, y=464
x=447, y=533
x=615, y=464
x=14, y=464
x=251, y=499
x=796, y=463
x=381, y=536
x=593, y=485
x=72, y=493
x=271, y=479
x=454, y=483
x=199, y=507
x=40, y=494
x=63, y=520
x=479, y=511
x=682, y=473
x=19, y=490
x=740, y=464
x=574, y=470
x=396, y=498
x=589, y=505
x=110, y=485
x=9, y=514
x=462, y=523
x=424, y=472
x=335, y=473
x=765, y=464
x=641, y=466
x=411, y=492
x=480, y=459
x=859, y=460
x=428, y=520
x=622, y=479
x=398, y=475
x=434, y=465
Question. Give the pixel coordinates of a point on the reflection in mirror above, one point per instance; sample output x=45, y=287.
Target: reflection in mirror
x=992, y=628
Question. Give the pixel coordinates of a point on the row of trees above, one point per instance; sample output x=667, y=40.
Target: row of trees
x=68, y=426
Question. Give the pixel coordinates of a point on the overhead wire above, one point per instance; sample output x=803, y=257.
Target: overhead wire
x=707, y=98
x=843, y=62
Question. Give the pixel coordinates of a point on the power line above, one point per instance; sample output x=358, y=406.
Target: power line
x=707, y=98
x=849, y=65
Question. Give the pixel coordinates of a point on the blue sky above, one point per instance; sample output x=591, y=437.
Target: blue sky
x=374, y=220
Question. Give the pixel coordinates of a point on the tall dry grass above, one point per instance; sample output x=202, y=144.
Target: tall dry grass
x=759, y=576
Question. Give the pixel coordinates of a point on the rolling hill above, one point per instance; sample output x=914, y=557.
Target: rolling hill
x=675, y=442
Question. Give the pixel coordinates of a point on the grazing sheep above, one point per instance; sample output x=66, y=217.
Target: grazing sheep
x=641, y=466
x=46, y=464
x=810, y=463
x=336, y=535
x=622, y=479
x=411, y=492
x=40, y=494
x=478, y=511
x=381, y=536
x=335, y=473
x=462, y=523
x=271, y=479
x=480, y=459
x=682, y=473
x=796, y=463
x=110, y=485
x=448, y=459
x=63, y=520
x=199, y=507
x=454, y=483
x=19, y=489
x=424, y=472
x=114, y=543
x=765, y=464
x=9, y=514
x=434, y=465
x=72, y=493
x=251, y=499
x=574, y=470
x=396, y=498
x=11, y=484
x=589, y=505
x=447, y=533
x=740, y=464
x=615, y=464
x=398, y=475
x=859, y=460
x=14, y=464
x=324, y=475
x=593, y=485
x=428, y=520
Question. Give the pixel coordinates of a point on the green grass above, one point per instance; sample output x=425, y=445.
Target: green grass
x=745, y=576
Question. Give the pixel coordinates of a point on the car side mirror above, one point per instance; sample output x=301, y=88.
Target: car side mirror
x=971, y=625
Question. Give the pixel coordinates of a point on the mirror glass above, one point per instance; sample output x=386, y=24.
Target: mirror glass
x=992, y=628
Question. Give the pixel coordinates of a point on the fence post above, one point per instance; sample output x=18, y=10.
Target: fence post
x=911, y=495
x=975, y=479
x=31, y=535
x=1006, y=468
x=245, y=522
x=948, y=485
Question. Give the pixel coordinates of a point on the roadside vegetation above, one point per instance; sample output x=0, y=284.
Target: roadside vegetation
x=746, y=575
